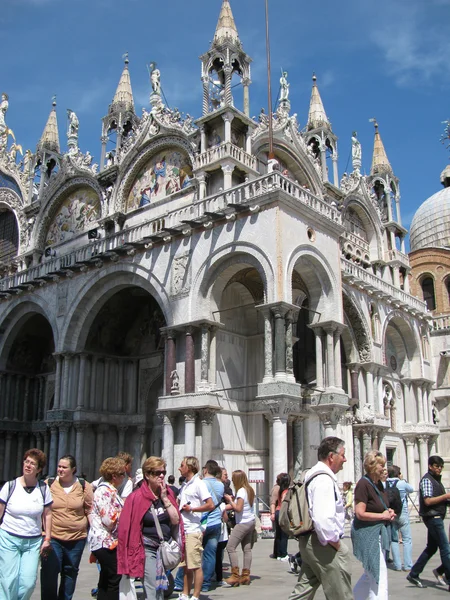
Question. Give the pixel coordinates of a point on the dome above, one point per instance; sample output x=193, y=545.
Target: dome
x=430, y=227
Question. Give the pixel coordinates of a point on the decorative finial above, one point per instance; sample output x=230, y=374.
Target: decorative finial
x=125, y=58
x=314, y=78
x=375, y=123
x=54, y=100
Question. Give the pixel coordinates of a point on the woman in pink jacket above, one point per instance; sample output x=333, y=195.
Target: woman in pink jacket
x=138, y=537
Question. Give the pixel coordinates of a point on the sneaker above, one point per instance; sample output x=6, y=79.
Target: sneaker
x=194, y=598
x=183, y=597
x=223, y=584
x=441, y=579
x=415, y=581
x=293, y=564
x=284, y=558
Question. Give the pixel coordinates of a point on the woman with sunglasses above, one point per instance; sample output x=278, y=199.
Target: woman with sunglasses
x=138, y=537
x=103, y=534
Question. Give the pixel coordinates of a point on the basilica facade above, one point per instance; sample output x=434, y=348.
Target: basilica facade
x=212, y=287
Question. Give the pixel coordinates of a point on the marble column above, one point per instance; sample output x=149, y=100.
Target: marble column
x=57, y=401
x=354, y=380
x=79, y=443
x=422, y=440
x=289, y=351
x=168, y=442
x=189, y=376
x=297, y=431
x=280, y=344
x=357, y=455
x=19, y=452
x=99, y=439
x=53, y=460
x=228, y=70
x=206, y=419
x=411, y=475
x=203, y=147
x=46, y=436
x=337, y=357
x=120, y=369
x=7, y=460
x=140, y=445
x=16, y=398
x=246, y=85
x=65, y=399
x=369, y=389
x=329, y=358
x=204, y=362
x=171, y=360
x=205, y=103
x=189, y=433
x=227, y=176
x=26, y=402
x=279, y=445
x=121, y=429
x=105, y=396
x=93, y=405
x=366, y=441
x=81, y=382
x=202, y=188
x=334, y=158
x=63, y=439
x=227, y=118
x=268, y=347
x=420, y=413
x=318, y=333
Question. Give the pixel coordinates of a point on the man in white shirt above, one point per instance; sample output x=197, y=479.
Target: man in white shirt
x=195, y=499
x=326, y=559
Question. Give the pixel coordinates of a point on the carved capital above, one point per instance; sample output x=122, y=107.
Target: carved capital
x=190, y=416
x=207, y=416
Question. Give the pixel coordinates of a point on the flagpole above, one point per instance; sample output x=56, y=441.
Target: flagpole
x=269, y=87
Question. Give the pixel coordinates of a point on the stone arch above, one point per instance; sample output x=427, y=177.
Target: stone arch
x=98, y=289
x=10, y=200
x=50, y=208
x=356, y=338
x=18, y=314
x=296, y=161
x=158, y=143
x=208, y=285
x=319, y=277
x=401, y=346
x=370, y=219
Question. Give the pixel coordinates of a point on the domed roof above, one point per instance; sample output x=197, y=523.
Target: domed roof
x=430, y=227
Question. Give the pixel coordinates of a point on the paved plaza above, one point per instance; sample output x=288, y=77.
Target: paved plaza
x=271, y=579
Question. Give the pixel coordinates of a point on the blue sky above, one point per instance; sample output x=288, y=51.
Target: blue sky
x=388, y=60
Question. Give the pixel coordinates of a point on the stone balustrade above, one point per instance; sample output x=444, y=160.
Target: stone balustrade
x=440, y=323
x=223, y=151
x=353, y=273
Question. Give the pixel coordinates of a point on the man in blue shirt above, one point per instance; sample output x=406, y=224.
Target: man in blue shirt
x=213, y=521
x=401, y=523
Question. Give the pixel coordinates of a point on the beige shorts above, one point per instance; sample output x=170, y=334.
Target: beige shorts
x=193, y=551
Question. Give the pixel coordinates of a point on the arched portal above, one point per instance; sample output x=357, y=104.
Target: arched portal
x=26, y=388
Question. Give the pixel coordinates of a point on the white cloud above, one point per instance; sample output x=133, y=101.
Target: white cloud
x=413, y=38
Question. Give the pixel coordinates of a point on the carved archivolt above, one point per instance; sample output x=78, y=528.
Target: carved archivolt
x=12, y=200
x=144, y=155
x=360, y=331
x=49, y=213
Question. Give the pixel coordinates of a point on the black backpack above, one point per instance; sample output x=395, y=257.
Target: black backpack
x=395, y=501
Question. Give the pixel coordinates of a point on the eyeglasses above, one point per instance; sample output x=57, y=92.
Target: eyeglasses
x=31, y=463
x=121, y=474
x=158, y=473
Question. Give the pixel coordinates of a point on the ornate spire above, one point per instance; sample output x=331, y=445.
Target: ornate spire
x=380, y=161
x=50, y=137
x=226, y=27
x=123, y=97
x=317, y=117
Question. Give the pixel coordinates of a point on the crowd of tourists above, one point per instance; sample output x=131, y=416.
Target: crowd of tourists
x=138, y=529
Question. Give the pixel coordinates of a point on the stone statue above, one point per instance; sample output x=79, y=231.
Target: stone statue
x=155, y=79
x=3, y=127
x=73, y=122
x=284, y=93
x=175, y=389
x=356, y=153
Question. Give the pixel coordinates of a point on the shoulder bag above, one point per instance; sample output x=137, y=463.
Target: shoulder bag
x=170, y=551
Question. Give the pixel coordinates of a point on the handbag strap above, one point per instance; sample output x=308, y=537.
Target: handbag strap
x=157, y=524
x=377, y=491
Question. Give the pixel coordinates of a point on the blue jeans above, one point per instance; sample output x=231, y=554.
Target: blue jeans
x=63, y=559
x=210, y=542
x=179, y=579
x=19, y=560
x=403, y=526
x=437, y=538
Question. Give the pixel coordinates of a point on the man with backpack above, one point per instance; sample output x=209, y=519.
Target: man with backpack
x=401, y=523
x=326, y=559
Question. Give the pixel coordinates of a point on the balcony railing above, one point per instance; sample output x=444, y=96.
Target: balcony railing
x=247, y=195
x=440, y=323
x=224, y=150
x=374, y=284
